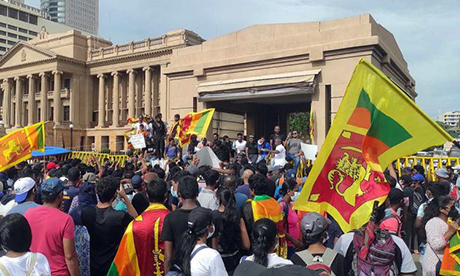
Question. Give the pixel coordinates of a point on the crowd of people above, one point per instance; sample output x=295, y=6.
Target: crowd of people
x=139, y=218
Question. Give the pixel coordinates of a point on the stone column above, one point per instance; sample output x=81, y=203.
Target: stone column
x=44, y=97
x=131, y=101
x=101, y=104
x=6, y=103
x=163, y=94
x=148, y=91
x=18, y=120
x=57, y=98
x=116, y=100
x=31, y=104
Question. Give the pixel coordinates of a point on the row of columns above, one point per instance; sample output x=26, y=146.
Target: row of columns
x=32, y=81
x=131, y=95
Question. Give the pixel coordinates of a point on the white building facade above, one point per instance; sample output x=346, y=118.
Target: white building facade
x=82, y=15
x=451, y=118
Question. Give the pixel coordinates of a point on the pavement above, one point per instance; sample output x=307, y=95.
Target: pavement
x=416, y=258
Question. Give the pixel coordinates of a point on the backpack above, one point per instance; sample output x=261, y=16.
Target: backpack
x=380, y=260
x=320, y=264
x=178, y=271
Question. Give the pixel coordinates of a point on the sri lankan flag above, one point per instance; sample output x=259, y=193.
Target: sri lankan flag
x=264, y=206
x=376, y=123
x=194, y=123
x=19, y=144
x=451, y=260
x=141, y=252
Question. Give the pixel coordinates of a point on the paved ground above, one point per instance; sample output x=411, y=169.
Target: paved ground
x=417, y=263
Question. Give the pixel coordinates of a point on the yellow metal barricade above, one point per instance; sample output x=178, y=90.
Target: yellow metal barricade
x=431, y=164
x=85, y=156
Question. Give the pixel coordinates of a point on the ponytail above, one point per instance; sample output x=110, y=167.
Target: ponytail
x=183, y=253
x=264, y=235
x=230, y=236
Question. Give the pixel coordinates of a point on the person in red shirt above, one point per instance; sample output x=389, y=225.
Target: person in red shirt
x=53, y=230
x=392, y=220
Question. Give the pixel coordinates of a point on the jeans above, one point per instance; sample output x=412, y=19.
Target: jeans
x=260, y=158
x=296, y=160
x=253, y=158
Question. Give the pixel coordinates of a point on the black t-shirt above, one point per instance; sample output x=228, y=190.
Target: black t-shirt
x=252, y=148
x=69, y=194
x=106, y=227
x=337, y=266
x=174, y=226
x=221, y=153
x=191, y=147
x=271, y=187
x=140, y=202
x=274, y=136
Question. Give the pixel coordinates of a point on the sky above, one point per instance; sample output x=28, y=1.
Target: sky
x=427, y=32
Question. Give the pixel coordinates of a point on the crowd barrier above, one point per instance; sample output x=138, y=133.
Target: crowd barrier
x=84, y=156
x=429, y=163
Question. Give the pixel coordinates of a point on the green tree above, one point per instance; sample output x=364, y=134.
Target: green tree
x=299, y=121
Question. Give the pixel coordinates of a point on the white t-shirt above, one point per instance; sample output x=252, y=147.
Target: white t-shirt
x=207, y=262
x=137, y=126
x=20, y=265
x=273, y=260
x=240, y=146
x=280, y=157
x=4, y=209
x=207, y=199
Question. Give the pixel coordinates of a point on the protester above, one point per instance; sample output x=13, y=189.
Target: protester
x=175, y=223
x=276, y=134
x=438, y=232
x=25, y=191
x=72, y=187
x=265, y=237
x=229, y=182
x=290, y=192
x=262, y=169
x=106, y=225
x=232, y=235
x=264, y=149
x=239, y=145
x=416, y=198
x=251, y=149
x=207, y=197
x=316, y=255
x=193, y=257
x=171, y=150
x=159, y=134
x=293, y=148
x=244, y=188
x=392, y=220
x=143, y=234
x=16, y=239
x=53, y=230
x=279, y=153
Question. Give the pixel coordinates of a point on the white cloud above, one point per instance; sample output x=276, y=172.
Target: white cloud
x=427, y=32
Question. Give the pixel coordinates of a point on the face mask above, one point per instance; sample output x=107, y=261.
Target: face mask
x=173, y=193
x=295, y=196
x=211, y=233
x=453, y=213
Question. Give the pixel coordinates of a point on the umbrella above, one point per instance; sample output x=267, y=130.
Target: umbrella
x=50, y=151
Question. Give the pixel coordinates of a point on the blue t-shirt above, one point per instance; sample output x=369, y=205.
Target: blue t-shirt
x=264, y=146
x=22, y=208
x=240, y=201
x=244, y=189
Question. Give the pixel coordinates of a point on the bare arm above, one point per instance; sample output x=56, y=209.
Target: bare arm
x=131, y=211
x=245, y=243
x=168, y=255
x=71, y=258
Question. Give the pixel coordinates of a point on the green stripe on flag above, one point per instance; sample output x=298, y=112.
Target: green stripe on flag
x=201, y=123
x=383, y=127
x=40, y=134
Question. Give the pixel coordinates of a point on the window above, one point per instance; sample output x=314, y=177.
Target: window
x=22, y=30
x=67, y=83
x=11, y=27
x=3, y=10
x=13, y=13
x=2, y=25
x=23, y=16
x=22, y=38
x=11, y=42
x=33, y=33
x=12, y=35
x=2, y=48
x=33, y=19
x=2, y=32
x=66, y=113
x=51, y=115
x=2, y=40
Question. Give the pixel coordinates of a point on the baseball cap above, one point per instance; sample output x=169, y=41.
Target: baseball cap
x=21, y=187
x=313, y=224
x=52, y=186
x=442, y=173
x=251, y=136
x=198, y=219
x=395, y=195
x=254, y=269
x=136, y=180
x=90, y=177
x=418, y=177
x=290, y=173
x=51, y=165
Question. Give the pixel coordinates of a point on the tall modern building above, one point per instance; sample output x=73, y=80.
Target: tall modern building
x=451, y=118
x=20, y=22
x=82, y=15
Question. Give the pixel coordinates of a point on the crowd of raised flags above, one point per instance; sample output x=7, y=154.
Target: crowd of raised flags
x=263, y=211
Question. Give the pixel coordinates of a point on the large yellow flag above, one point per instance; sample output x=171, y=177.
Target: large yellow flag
x=19, y=144
x=376, y=123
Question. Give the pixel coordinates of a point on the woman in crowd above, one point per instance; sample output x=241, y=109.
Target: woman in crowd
x=232, y=234
x=290, y=192
x=15, y=238
x=438, y=232
x=265, y=236
x=194, y=257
